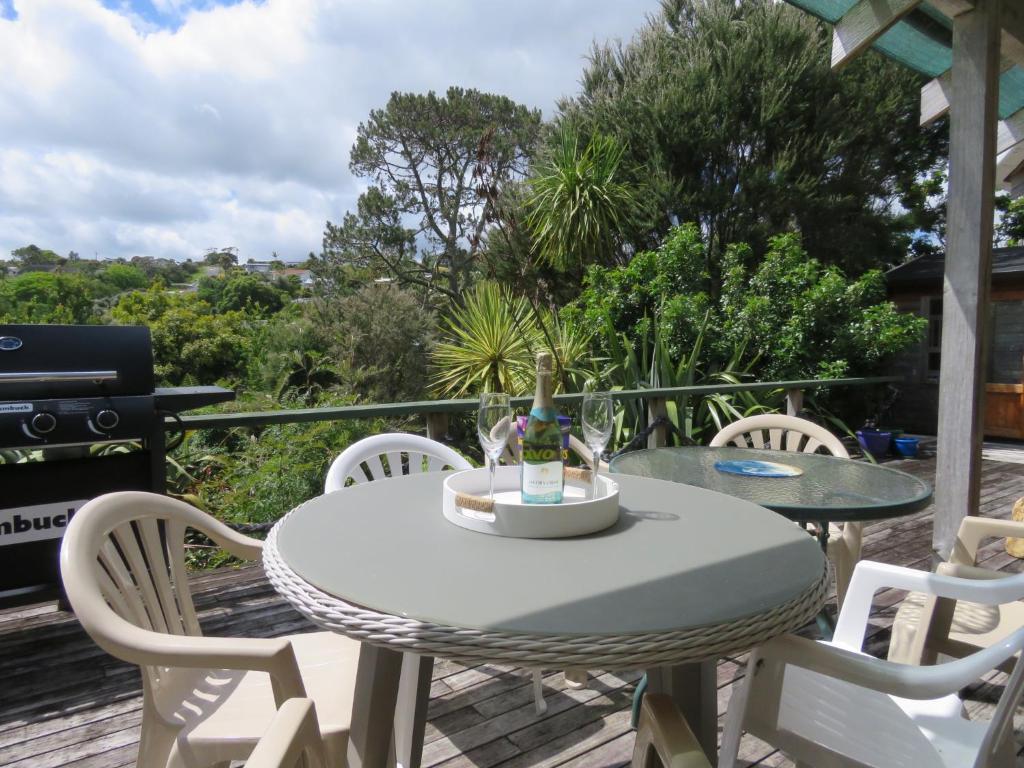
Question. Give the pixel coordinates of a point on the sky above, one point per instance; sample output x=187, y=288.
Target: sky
x=169, y=127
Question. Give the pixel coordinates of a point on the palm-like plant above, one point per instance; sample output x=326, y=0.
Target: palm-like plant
x=488, y=345
x=578, y=203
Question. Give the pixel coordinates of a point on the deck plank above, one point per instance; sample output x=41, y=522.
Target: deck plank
x=66, y=704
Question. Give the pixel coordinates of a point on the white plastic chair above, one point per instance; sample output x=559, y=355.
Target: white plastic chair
x=206, y=700
x=292, y=735
x=362, y=461
x=829, y=704
x=377, y=458
x=788, y=433
x=925, y=627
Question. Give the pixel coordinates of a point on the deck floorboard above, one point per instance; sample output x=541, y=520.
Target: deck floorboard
x=64, y=703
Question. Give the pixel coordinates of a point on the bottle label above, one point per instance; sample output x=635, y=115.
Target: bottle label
x=542, y=480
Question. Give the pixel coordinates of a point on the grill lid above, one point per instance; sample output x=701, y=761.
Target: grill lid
x=53, y=361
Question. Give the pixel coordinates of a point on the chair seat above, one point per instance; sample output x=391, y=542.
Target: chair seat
x=974, y=626
x=871, y=727
x=225, y=712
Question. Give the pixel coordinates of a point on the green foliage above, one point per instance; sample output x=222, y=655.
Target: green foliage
x=243, y=476
x=488, y=346
x=238, y=291
x=381, y=336
x=48, y=297
x=804, y=320
x=32, y=257
x=123, y=277
x=732, y=117
x=670, y=283
x=191, y=343
x=428, y=159
x=1010, y=230
x=790, y=317
x=579, y=204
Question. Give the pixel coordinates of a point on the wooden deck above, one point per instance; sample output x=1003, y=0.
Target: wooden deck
x=63, y=702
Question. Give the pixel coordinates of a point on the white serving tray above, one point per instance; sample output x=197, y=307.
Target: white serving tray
x=508, y=516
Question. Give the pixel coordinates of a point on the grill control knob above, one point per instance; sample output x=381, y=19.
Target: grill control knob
x=107, y=419
x=43, y=423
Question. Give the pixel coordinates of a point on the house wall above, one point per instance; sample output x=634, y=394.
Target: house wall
x=918, y=407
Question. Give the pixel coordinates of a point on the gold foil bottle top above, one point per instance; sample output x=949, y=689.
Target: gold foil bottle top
x=544, y=362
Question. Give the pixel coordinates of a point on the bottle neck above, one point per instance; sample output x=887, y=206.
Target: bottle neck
x=542, y=395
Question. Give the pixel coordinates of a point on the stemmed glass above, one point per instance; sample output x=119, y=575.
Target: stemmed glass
x=598, y=421
x=493, y=423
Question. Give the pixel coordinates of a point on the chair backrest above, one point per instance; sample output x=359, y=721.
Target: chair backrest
x=364, y=462
x=781, y=433
x=122, y=560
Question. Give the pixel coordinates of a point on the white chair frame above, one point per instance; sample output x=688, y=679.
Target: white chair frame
x=422, y=455
x=926, y=626
x=921, y=700
x=292, y=736
x=123, y=567
x=788, y=433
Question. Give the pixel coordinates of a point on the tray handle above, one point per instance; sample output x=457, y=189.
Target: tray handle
x=483, y=504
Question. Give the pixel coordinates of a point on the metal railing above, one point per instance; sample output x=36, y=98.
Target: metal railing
x=436, y=412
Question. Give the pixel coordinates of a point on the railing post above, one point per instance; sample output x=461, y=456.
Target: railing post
x=437, y=426
x=656, y=409
x=794, y=402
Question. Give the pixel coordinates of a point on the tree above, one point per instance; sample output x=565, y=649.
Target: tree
x=731, y=115
x=1010, y=229
x=47, y=297
x=33, y=258
x=225, y=258
x=422, y=155
x=381, y=336
x=579, y=204
x=191, y=343
x=239, y=291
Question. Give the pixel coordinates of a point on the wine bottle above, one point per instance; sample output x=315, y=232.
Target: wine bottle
x=542, y=469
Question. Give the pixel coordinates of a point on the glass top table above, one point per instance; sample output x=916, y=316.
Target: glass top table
x=828, y=489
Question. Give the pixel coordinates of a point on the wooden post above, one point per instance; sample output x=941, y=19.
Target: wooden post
x=794, y=402
x=972, y=159
x=437, y=426
x=657, y=409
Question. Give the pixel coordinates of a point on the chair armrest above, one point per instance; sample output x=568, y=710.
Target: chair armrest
x=663, y=728
x=974, y=530
x=294, y=730
x=904, y=680
x=147, y=648
x=970, y=572
x=235, y=543
x=869, y=577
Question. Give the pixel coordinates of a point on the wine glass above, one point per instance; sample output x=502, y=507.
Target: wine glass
x=598, y=421
x=493, y=423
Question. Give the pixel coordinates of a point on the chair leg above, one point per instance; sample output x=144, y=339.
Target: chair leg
x=157, y=739
x=539, y=705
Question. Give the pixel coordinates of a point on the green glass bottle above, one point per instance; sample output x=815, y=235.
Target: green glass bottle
x=542, y=472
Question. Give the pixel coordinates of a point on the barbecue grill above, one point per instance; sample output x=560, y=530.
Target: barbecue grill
x=67, y=393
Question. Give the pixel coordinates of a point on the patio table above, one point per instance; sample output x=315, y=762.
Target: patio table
x=830, y=490
x=666, y=589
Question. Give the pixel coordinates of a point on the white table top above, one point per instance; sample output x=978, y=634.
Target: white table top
x=680, y=557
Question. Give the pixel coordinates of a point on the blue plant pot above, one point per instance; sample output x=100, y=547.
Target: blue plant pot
x=874, y=441
x=906, y=446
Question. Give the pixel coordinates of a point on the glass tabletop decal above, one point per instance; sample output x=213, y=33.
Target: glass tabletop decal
x=757, y=468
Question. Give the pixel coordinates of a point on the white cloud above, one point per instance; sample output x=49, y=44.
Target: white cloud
x=234, y=128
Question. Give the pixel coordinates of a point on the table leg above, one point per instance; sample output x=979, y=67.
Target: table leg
x=373, y=707
x=411, y=711
x=694, y=688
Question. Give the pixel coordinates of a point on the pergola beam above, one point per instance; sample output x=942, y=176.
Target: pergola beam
x=864, y=23
x=935, y=93
x=968, y=267
x=1012, y=39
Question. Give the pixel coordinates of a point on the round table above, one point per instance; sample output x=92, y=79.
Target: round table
x=668, y=585
x=830, y=489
